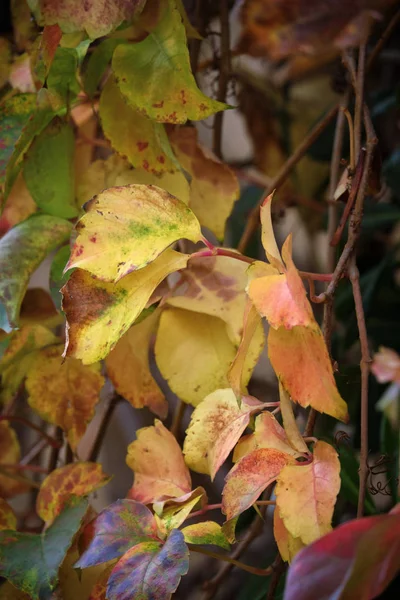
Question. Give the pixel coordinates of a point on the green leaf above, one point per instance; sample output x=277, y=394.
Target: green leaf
x=97, y=64
x=31, y=561
x=57, y=276
x=49, y=170
x=22, y=250
x=155, y=76
x=62, y=76
x=150, y=570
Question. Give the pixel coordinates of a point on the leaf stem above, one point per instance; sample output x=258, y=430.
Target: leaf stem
x=19, y=478
x=224, y=74
x=236, y=563
x=50, y=440
x=22, y=467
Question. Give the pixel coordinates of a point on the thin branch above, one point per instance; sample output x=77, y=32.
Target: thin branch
x=33, y=452
x=22, y=467
x=19, y=478
x=55, y=452
x=236, y=563
x=359, y=100
x=50, y=440
x=364, y=366
x=224, y=74
x=102, y=430
x=280, y=178
x=383, y=39
x=208, y=507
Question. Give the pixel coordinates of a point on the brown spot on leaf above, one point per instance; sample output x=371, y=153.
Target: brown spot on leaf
x=142, y=145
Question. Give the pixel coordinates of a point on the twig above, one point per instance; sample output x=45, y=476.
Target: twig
x=20, y=478
x=231, y=561
x=21, y=467
x=383, y=39
x=33, y=452
x=359, y=100
x=364, y=366
x=224, y=74
x=55, y=452
x=279, y=568
x=50, y=440
x=208, y=507
x=278, y=180
x=102, y=430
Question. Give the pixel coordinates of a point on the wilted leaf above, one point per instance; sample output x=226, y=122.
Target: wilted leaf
x=64, y=392
x=96, y=17
x=214, y=187
x=8, y=520
x=48, y=170
x=288, y=546
x=207, y=532
x=155, y=76
x=10, y=454
x=129, y=369
x=156, y=459
x=76, y=479
x=301, y=361
x=99, y=313
x=173, y=512
x=150, y=570
x=22, y=250
x=216, y=425
x=306, y=494
x=31, y=561
x=249, y=478
x=14, y=114
x=126, y=228
x=356, y=560
x=18, y=357
x=194, y=353
x=143, y=141
x=268, y=434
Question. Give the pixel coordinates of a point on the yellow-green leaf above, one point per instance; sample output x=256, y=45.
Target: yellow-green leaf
x=10, y=454
x=207, y=532
x=170, y=514
x=8, y=520
x=155, y=76
x=99, y=313
x=126, y=228
x=64, y=392
x=306, y=494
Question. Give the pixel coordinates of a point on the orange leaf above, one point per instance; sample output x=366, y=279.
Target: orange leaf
x=64, y=392
x=156, y=459
x=10, y=453
x=76, y=479
x=8, y=520
x=129, y=370
x=288, y=546
x=249, y=478
x=306, y=495
x=301, y=361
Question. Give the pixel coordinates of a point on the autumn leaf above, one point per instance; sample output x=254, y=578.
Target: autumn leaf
x=31, y=561
x=18, y=206
x=48, y=170
x=289, y=422
x=215, y=426
x=8, y=520
x=126, y=228
x=194, y=353
x=143, y=141
x=171, y=513
x=268, y=434
x=10, y=454
x=207, y=532
x=98, y=314
x=64, y=392
x=138, y=574
x=76, y=479
x=155, y=76
x=22, y=250
x=288, y=545
x=96, y=17
x=14, y=114
x=129, y=370
x=249, y=478
x=214, y=187
x=100, y=588
x=156, y=459
x=306, y=494
x=18, y=357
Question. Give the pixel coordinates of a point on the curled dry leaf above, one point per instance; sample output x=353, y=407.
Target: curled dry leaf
x=126, y=228
x=99, y=313
x=156, y=459
x=76, y=479
x=214, y=187
x=249, y=478
x=306, y=494
x=129, y=369
x=8, y=520
x=10, y=453
x=64, y=392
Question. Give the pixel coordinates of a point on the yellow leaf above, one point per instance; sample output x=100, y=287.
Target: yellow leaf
x=64, y=393
x=306, y=494
x=207, y=532
x=8, y=520
x=156, y=459
x=194, y=353
x=126, y=228
x=301, y=361
x=99, y=313
x=129, y=370
x=10, y=453
x=267, y=234
x=214, y=187
x=133, y=135
x=172, y=513
x=216, y=425
x=268, y=434
x=289, y=422
x=288, y=545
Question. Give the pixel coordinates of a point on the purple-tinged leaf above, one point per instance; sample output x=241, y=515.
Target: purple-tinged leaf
x=117, y=528
x=150, y=570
